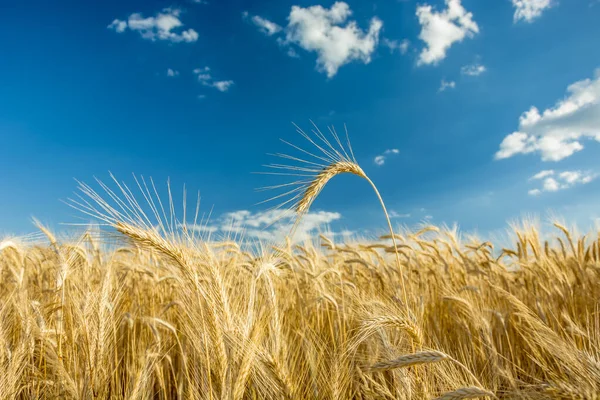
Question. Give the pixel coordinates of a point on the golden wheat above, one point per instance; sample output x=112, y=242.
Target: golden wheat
x=164, y=317
x=149, y=310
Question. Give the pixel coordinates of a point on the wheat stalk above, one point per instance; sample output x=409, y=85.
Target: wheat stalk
x=466, y=393
x=333, y=159
x=409, y=360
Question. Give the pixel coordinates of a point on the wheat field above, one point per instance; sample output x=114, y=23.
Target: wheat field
x=147, y=309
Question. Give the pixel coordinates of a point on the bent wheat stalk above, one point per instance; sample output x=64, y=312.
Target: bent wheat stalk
x=334, y=159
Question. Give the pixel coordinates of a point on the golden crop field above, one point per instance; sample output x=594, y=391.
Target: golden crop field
x=149, y=310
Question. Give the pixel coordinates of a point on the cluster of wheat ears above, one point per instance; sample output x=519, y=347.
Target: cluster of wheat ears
x=149, y=309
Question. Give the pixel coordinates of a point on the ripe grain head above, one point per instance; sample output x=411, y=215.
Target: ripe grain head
x=408, y=360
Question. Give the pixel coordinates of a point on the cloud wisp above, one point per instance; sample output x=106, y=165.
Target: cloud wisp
x=394, y=215
x=402, y=46
x=380, y=159
x=475, y=69
x=554, y=181
x=445, y=85
x=267, y=27
x=205, y=78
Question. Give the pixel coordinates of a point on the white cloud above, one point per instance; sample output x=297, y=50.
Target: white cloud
x=515, y=143
x=328, y=33
x=222, y=86
x=440, y=30
x=203, y=74
x=172, y=72
x=269, y=28
x=380, y=159
x=573, y=177
x=553, y=182
x=551, y=185
x=528, y=10
x=319, y=29
x=473, y=69
x=272, y=226
x=447, y=85
x=394, y=45
x=118, y=25
x=542, y=174
x=205, y=78
x=556, y=132
x=159, y=27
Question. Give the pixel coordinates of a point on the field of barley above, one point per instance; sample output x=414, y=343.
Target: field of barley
x=144, y=308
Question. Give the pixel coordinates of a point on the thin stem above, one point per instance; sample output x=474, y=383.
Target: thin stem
x=387, y=217
x=467, y=370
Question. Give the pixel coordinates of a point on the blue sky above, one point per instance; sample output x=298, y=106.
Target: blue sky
x=201, y=91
